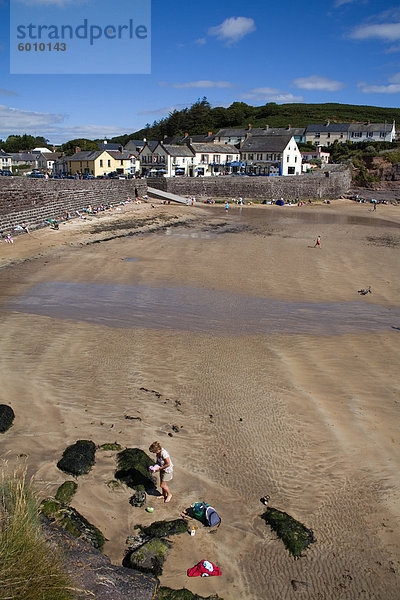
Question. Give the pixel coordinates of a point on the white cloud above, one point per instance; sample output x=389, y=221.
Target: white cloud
x=266, y=94
x=4, y=92
x=341, y=2
x=395, y=78
x=200, y=41
x=389, y=32
x=390, y=88
x=316, y=82
x=50, y=126
x=233, y=29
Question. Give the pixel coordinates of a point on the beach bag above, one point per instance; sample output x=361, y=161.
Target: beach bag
x=204, y=568
x=206, y=514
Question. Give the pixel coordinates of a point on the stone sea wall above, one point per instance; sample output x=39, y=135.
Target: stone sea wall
x=329, y=184
x=35, y=200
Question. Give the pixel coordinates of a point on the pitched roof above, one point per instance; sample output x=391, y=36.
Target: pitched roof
x=387, y=127
x=86, y=155
x=214, y=148
x=24, y=156
x=284, y=131
x=50, y=155
x=265, y=143
x=174, y=150
x=2, y=153
x=119, y=155
x=327, y=127
x=135, y=145
x=238, y=132
x=109, y=146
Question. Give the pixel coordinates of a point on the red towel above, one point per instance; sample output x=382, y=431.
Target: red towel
x=200, y=570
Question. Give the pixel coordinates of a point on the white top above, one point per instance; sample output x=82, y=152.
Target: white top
x=161, y=460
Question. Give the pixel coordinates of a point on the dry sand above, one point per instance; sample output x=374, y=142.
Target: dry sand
x=307, y=416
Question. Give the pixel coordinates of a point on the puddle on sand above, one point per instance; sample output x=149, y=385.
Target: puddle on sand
x=202, y=311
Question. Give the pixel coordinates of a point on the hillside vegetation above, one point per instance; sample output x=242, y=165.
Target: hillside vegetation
x=201, y=117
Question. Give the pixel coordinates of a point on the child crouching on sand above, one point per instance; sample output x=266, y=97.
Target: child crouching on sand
x=165, y=466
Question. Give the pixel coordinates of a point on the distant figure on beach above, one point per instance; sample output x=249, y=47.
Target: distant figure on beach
x=317, y=242
x=165, y=466
x=365, y=291
x=9, y=239
x=25, y=227
x=226, y=205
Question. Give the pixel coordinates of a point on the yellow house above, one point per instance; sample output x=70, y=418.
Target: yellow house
x=98, y=162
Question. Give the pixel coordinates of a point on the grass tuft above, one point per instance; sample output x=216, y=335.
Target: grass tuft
x=29, y=568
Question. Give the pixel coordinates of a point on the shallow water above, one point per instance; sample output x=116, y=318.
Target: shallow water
x=199, y=310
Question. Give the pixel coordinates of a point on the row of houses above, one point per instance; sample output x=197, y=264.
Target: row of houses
x=259, y=151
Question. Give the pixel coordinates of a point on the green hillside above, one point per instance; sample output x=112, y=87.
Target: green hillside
x=201, y=117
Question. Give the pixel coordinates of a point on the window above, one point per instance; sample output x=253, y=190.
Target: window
x=259, y=156
x=204, y=158
x=328, y=135
x=229, y=158
x=317, y=135
x=101, y=163
x=341, y=136
x=382, y=134
x=251, y=156
x=109, y=163
x=356, y=134
x=295, y=159
x=217, y=158
x=370, y=134
x=288, y=158
x=244, y=156
x=121, y=162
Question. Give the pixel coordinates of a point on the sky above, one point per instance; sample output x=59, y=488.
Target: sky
x=345, y=51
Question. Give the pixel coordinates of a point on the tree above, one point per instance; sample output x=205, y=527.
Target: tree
x=69, y=147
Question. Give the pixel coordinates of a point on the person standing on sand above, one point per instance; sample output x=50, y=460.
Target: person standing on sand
x=165, y=466
x=318, y=242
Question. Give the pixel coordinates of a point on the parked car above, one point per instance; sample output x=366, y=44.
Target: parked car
x=88, y=176
x=5, y=172
x=36, y=175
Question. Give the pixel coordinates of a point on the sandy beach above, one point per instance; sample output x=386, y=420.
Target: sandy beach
x=273, y=375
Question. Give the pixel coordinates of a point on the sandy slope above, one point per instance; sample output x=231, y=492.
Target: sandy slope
x=310, y=419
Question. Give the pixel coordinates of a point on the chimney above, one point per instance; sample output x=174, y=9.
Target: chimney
x=77, y=149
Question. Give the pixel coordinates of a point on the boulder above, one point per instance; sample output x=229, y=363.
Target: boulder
x=160, y=529
x=66, y=492
x=78, y=459
x=6, y=417
x=93, y=574
x=73, y=522
x=166, y=593
x=133, y=468
x=149, y=557
x=295, y=536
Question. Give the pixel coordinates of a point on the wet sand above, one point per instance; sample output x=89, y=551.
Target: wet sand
x=306, y=410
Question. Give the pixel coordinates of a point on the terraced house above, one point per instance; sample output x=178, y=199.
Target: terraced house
x=271, y=155
x=98, y=163
x=324, y=134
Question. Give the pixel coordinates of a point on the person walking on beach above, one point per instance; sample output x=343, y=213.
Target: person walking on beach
x=165, y=466
x=227, y=206
x=318, y=242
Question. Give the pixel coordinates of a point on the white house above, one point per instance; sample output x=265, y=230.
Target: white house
x=213, y=159
x=271, y=155
x=151, y=164
x=372, y=132
x=178, y=160
x=313, y=155
x=5, y=160
x=46, y=160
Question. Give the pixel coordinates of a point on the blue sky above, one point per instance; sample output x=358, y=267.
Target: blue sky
x=290, y=51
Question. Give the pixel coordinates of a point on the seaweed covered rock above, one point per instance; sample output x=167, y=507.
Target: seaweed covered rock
x=166, y=593
x=66, y=492
x=6, y=417
x=133, y=468
x=293, y=534
x=149, y=557
x=73, y=522
x=160, y=529
x=112, y=447
x=78, y=459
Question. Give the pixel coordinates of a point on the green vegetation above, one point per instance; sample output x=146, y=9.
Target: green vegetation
x=78, y=459
x=150, y=557
x=15, y=143
x=161, y=529
x=113, y=447
x=133, y=468
x=200, y=117
x=69, y=147
x=66, y=491
x=166, y=593
x=73, y=522
x=294, y=534
x=29, y=568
